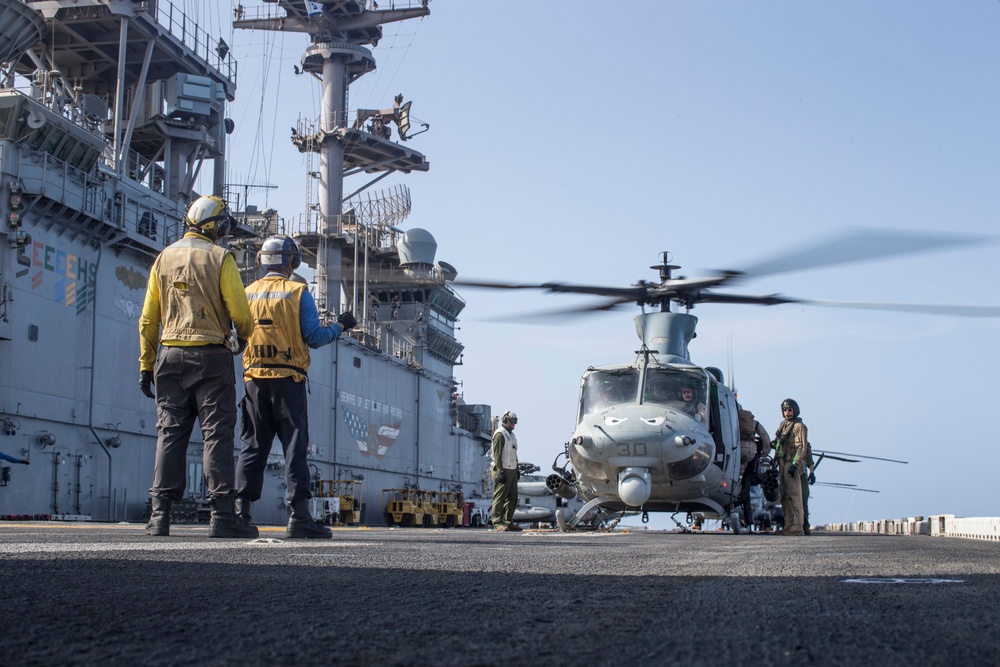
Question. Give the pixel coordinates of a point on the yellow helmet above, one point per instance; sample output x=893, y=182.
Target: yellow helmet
x=209, y=215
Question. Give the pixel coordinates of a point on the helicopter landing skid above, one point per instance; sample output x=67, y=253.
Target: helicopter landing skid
x=571, y=524
x=684, y=529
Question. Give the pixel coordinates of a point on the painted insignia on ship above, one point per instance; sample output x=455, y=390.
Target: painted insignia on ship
x=373, y=439
x=130, y=278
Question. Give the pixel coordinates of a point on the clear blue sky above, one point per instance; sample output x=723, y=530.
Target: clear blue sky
x=575, y=140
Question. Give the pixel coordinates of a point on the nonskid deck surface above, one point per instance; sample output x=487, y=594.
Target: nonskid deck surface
x=464, y=596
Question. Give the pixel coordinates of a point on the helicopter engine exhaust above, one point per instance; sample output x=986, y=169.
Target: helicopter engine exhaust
x=634, y=486
x=560, y=486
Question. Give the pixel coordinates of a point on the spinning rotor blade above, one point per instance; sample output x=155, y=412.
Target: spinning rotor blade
x=561, y=315
x=917, y=308
x=626, y=294
x=875, y=458
x=851, y=246
x=859, y=245
x=846, y=487
x=825, y=455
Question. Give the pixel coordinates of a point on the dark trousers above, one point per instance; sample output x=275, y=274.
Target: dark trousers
x=805, y=498
x=194, y=383
x=274, y=407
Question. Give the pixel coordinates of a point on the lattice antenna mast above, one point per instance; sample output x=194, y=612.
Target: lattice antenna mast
x=337, y=56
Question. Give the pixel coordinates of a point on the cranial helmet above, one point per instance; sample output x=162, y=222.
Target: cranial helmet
x=509, y=417
x=209, y=215
x=279, y=252
x=790, y=403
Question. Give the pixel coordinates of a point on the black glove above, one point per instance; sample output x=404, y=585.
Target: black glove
x=146, y=383
x=793, y=470
x=812, y=478
x=241, y=345
x=25, y=462
x=502, y=477
x=347, y=320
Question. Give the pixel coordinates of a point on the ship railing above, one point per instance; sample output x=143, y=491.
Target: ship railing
x=374, y=236
x=137, y=214
x=48, y=91
x=215, y=51
x=376, y=336
x=45, y=91
x=261, y=12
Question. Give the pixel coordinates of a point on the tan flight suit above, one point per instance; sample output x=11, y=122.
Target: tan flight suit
x=749, y=427
x=806, y=469
x=791, y=449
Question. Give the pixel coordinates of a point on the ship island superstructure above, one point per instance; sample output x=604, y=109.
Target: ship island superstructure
x=109, y=112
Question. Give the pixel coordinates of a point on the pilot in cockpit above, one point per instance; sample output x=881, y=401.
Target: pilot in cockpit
x=689, y=402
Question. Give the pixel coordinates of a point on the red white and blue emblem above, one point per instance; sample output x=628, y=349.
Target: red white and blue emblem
x=373, y=439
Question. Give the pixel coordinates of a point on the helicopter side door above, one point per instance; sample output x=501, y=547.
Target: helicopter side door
x=725, y=428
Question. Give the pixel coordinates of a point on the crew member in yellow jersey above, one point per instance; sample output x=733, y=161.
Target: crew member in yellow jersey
x=193, y=300
x=275, y=364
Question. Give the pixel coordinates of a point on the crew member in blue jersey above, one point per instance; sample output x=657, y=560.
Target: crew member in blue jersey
x=275, y=364
x=6, y=457
x=505, y=473
x=194, y=298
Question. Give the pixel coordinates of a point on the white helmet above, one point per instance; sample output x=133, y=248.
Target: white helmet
x=209, y=215
x=509, y=416
x=279, y=252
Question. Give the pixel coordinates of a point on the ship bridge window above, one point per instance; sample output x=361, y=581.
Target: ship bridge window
x=412, y=297
x=77, y=158
x=440, y=317
x=5, y=114
x=604, y=389
x=52, y=141
x=66, y=148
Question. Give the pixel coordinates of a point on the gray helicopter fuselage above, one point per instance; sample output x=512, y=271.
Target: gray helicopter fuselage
x=657, y=435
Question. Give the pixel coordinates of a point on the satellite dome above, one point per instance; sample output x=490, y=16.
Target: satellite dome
x=417, y=247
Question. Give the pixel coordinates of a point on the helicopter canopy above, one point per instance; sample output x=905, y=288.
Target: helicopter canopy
x=605, y=388
x=677, y=389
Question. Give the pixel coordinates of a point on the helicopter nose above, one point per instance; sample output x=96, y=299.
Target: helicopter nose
x=634, y=486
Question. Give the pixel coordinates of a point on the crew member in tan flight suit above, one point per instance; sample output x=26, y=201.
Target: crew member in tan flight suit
x=791, y=447
x=749, y=428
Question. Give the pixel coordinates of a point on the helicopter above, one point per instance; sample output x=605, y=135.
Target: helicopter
x=659, y=433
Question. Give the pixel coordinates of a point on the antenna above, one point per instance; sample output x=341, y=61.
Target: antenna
x=246, y=192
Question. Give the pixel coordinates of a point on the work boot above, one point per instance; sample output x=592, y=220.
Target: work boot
x=225, y=523
x=301, y=523
x=244, y=510
x=514, y=528
x=159, y=517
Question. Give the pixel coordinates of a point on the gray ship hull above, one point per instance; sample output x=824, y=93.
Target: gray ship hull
x=89, y=197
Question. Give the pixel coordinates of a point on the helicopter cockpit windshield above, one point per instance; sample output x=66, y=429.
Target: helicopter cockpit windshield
x=683, y=391
x=604, y=389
